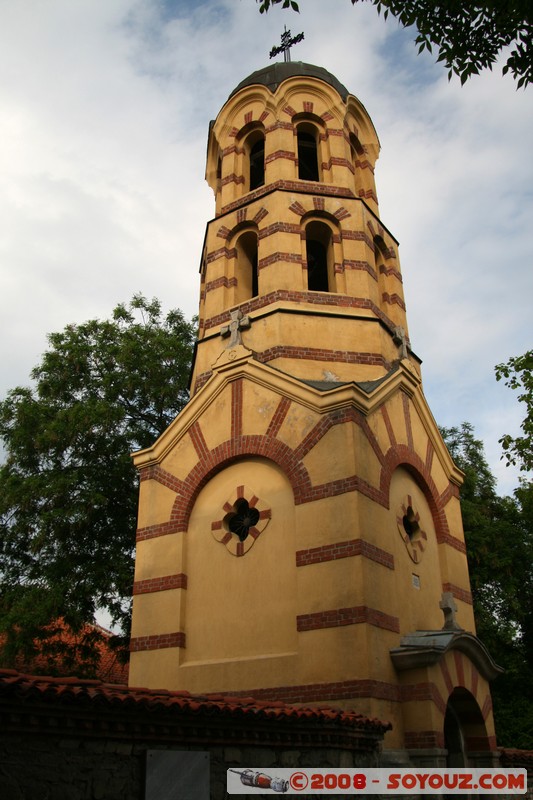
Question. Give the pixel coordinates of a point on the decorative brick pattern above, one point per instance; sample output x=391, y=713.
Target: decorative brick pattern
x=475, y=680
x=357, y=236
x=423, y=740
x=312, y=298
x=223, y=232
x=312, y=692
x=154, y=531
x=233, y=178
x=319, y=203
x=293, y=258
x=199, y=443
x=364, y=265
x=460, y=594
x=302, y=187
x=297, y=208
x=417, y=692
x=260, y=215
x=279, y=227
x=368, y=195
x=352, y=547
x=161, y=584
x=338, y=617
x=407, y=417
x=241, y=214
x=308, y=107
x=157, y=473
x=289, y=110
x=236, y=409
x=222, y=281
x=388, y=425
x=390, y=272
x=393, y=300
x=341, y=213
x=430, y=451
x=248, y=117
x=446, y=675
x=222, y=252
x=487, y=707
x=278, y=417
x=321, y=354
x=459, y=667
x=288, y=155
x=159, y=641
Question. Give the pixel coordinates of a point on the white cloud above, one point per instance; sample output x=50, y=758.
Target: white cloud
x=104, y=111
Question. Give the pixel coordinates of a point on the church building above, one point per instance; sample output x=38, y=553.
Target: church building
x=299, y=534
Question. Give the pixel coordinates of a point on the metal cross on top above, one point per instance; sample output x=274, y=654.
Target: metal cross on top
x=287, y=42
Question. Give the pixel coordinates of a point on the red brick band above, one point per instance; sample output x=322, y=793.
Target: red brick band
x=313, y=298
x=161, y=584
x=352, y=547
x=159, y=641
x=302, y=187
x=154, y=531
x=322, y=354
x=460, y=594
x=338, y=617
x=423, y=740
x=341, y=690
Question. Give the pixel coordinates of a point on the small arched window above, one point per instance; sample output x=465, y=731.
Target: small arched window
x=319, y=252
x=256, y=155
x=307, y=153
x=246, y=273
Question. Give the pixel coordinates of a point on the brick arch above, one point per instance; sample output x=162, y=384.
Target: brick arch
x=472, y=718
x=229, y=452
x=402, y=456
x=241, y=226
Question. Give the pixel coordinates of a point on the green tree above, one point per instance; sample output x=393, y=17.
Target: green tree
x=499, y=540
x=68, y=490
x=468, y=37
x=518, y=374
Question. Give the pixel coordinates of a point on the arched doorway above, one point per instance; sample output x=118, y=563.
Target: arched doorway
x=465, y=732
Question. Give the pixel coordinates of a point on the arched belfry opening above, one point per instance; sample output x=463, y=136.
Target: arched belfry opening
x=319, y=256
x=300, y=532
x=255, y=145
x=307, y=138
x=246, y=271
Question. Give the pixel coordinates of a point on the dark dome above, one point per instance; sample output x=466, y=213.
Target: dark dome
x=274, y=74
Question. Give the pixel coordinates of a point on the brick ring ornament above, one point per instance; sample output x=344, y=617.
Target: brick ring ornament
x=244, y=519
x=408, y=521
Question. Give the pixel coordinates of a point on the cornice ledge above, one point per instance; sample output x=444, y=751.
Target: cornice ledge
x=426, y=648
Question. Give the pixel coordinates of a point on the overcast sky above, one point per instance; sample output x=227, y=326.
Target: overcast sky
x=104, y=114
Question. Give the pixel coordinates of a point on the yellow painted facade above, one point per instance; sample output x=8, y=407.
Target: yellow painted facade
x=299, y=521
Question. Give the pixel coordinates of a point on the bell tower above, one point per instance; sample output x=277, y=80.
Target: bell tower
x=300, y=533
x=297, y=243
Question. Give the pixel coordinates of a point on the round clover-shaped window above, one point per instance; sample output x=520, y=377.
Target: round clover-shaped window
x=408, y=521
x=244, y=518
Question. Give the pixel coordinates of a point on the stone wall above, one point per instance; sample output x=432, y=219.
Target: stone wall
x=72, y=768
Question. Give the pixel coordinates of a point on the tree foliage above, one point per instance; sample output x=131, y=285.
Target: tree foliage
x=68, y=490
x=518, y=374
x=468, y=37
x=499, y=540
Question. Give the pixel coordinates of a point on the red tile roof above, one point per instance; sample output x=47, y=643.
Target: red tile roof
x=27, y=688
x=109, y=667
x=510, y=756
